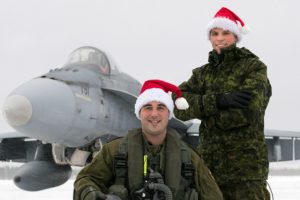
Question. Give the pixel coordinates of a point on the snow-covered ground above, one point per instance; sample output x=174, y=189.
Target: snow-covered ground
x=291, y=168
x=284, y=180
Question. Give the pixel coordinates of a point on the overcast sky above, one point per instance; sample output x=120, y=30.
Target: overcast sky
x=148, y=39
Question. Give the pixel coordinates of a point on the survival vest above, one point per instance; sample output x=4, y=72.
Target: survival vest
x=178, y=172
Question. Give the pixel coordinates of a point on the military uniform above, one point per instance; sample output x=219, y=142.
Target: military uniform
x=101, y=173
x=232, y=141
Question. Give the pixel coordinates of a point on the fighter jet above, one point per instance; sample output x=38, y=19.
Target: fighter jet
x=62, y=117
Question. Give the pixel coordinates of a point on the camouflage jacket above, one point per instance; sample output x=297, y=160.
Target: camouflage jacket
x=101, y=173
x=231, y=141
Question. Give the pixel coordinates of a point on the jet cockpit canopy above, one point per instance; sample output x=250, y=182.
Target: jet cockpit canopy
x=93, y=58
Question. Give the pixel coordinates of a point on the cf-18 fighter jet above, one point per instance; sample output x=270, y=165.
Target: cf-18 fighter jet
x=62, y=117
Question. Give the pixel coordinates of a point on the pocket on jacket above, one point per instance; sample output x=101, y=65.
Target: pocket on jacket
x=232, y=118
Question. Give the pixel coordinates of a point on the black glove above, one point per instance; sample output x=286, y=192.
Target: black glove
x=91, y=193
x=238, y=99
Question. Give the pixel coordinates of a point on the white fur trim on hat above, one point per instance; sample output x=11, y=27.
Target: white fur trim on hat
x=154, y=94
x=226, y=24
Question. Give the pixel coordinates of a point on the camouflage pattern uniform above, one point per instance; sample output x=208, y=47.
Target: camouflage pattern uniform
x=232, y=141
x=101, y=173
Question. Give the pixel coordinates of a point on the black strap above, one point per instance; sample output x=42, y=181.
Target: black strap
x=187, y=168
x=121, y=163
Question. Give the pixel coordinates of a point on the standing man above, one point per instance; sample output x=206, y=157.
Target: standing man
x=230, y=95
x=151, y=162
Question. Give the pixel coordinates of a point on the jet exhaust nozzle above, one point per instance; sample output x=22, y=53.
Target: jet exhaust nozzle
x=39, y=175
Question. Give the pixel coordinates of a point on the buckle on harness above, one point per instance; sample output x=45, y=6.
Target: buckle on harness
x=187, y=170
x=121, y=161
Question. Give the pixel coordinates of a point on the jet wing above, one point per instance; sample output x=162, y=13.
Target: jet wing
x=11, y=135
x=281, y=133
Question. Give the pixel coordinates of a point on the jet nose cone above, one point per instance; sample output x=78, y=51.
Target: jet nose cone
x=17, y=110
x=41, y=108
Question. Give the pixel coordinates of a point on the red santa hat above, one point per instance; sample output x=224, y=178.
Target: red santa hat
x=228, y=20
x=158, y=90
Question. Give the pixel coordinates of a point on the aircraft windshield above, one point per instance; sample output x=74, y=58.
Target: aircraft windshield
x=90, y=56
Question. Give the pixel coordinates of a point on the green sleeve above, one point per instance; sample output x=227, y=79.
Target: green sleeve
x=205, y=183
x=201, y=105
x=257, y=83
x=99, y=173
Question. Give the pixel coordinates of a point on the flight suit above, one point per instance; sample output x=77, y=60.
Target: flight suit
x=101, y=173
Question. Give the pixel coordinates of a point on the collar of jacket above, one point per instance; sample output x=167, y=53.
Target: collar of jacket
x=229, y=53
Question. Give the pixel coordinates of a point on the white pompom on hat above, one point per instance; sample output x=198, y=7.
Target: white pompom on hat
x=158, y=90
x=228, y=20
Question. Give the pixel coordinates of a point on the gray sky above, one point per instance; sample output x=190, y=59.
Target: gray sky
x=162, y=39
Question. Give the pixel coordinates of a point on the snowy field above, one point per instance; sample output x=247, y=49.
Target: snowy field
x=284, y=180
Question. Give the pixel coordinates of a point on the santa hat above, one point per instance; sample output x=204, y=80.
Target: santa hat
x=228, y=20
x=158, y=90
